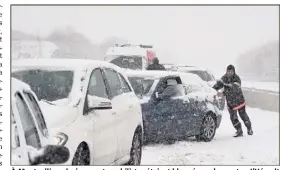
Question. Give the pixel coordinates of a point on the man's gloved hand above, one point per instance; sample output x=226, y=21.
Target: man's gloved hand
x=219, y=94
x=221, y=81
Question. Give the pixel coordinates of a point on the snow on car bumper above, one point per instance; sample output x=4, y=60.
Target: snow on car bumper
x=219, y=117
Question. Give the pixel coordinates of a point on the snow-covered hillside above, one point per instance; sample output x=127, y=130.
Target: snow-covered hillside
x=260, y=149
x=32, y=49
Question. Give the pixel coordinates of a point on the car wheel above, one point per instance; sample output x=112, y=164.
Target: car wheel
x=208, y=129
x=82, y=156
x=136, y=150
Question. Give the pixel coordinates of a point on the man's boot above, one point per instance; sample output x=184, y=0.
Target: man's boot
x=250, y=131
x=249, y=127
x=239, y=133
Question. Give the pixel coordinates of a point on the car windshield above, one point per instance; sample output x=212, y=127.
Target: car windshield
x=142, y=85
x=202, y=74
x=47, y=84
x=129, y=62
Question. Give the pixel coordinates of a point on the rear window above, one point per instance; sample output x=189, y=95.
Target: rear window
x=203, y=75
x=46, y=84
x=199, y=73
x=141, y=84
x=129, y=62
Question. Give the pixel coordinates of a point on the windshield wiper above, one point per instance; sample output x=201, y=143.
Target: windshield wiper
x=49, y=102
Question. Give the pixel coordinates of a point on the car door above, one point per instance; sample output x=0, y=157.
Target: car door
x=19, y=154
x=37, y=116
x=121, y=104
x=194, y=101
x=131, y=118
x=26, y=133
x=169, y=112
x=103, y=121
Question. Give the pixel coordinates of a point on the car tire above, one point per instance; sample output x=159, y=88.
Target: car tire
x=136, y=149
x=82, y=156
x=208, y=129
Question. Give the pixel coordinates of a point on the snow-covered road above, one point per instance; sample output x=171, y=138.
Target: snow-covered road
x=261, y=148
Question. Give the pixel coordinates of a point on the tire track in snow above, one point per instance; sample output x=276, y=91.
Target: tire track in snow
x=260, y=149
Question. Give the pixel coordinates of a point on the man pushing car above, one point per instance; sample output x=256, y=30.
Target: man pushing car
x=235, y=100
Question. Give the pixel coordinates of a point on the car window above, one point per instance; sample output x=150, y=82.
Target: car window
x=15, y=132
x=96, y=85
x=176, y=85
x=37, y=113
x=130, y=62
x=192, y=83
x=28, y=124
x=171, y=82
x=125, y=87
x=113, y=82
x=50, y=85
x=178, y=90
x=200, y=74
x=208, y=76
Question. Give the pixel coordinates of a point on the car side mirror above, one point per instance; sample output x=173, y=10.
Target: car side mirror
x=98, y=103
x=50, y=154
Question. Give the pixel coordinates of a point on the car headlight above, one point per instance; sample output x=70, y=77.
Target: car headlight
x=61, y=139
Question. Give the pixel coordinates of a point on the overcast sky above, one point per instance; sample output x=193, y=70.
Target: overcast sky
x=207, y=36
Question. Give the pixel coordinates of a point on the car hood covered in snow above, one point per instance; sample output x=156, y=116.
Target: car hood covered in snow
x=58, y=116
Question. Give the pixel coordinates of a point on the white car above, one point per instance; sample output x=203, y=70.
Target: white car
x=91, y=102
x=29, y=135
x=129, y=56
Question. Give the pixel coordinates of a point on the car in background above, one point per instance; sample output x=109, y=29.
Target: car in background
x=130, y=56
x=168, y=66
x=175, y=106
x=90, y=101
x=205, y=74
x=30, y=144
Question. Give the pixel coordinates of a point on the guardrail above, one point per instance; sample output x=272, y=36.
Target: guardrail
x=263, y=99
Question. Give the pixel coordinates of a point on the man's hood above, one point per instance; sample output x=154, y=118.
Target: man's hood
x=230, y=67
x=155, y=60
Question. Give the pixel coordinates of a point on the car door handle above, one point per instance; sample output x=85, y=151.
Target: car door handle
x=113, y=113
x=131, y=106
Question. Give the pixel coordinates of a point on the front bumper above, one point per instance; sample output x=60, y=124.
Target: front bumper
x=219, y=117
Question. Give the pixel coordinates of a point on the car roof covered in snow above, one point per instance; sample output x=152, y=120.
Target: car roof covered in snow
x=18, y=85
x=154, y=74
x=161, y=74
x=127, y=51
x=71, y=64
x=189, y=68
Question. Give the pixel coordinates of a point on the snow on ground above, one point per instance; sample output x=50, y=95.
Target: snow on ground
x=273, y=86
x=260, y=149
